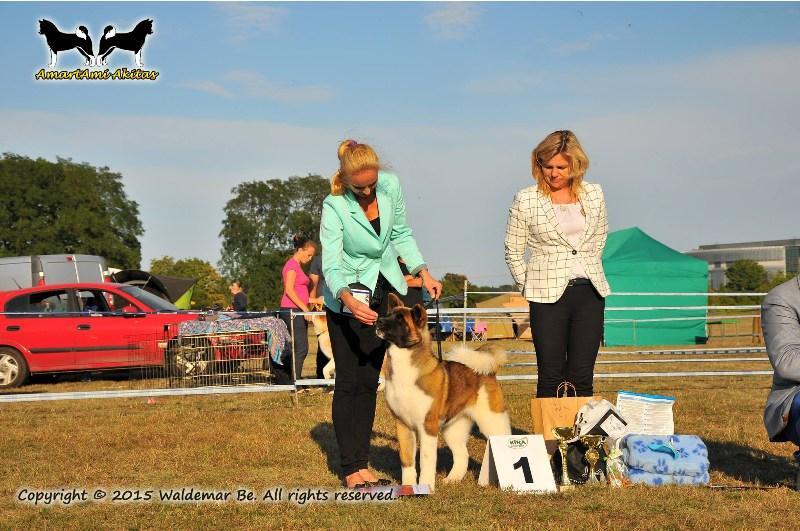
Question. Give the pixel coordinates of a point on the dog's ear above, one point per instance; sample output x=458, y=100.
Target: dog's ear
x=419, y=315
x=394, y=301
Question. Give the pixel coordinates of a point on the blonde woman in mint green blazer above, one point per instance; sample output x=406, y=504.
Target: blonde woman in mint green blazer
x=363, y=230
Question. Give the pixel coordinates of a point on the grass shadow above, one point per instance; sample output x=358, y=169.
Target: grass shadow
x=384, y=458
x=750, y=465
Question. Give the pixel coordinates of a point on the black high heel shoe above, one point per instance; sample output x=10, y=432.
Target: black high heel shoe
x=380, y=483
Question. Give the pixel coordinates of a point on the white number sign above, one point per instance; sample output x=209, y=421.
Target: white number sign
x=517, y=462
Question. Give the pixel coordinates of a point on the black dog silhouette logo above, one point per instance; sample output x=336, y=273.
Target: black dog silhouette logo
x=132, y=41
x=59, y=41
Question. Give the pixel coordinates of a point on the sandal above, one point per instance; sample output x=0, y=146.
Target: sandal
x=360, y=485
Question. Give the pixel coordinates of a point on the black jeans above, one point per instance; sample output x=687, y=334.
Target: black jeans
x=358, y=353
x=283, y=373
x=567, y=335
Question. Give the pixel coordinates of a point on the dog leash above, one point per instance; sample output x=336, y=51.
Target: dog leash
x=438, y=332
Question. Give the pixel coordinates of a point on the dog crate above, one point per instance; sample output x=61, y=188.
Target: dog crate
x=208, y=353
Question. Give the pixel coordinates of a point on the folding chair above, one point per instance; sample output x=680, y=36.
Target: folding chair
x=479, y=331
x=460, y=334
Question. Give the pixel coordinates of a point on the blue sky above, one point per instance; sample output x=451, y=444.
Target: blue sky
x=688, y=111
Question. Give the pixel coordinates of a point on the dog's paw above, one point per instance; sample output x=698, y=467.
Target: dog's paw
x=450, y=478
x=409, y=476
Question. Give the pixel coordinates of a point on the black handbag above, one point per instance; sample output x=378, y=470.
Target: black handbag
x=577, y=465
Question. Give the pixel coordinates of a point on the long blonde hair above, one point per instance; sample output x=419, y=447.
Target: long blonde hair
x=564, y=143
x=353, y=157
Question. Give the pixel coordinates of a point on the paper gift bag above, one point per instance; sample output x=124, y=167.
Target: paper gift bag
x=549, y=413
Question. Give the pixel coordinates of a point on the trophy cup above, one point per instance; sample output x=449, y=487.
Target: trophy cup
x=564, y=434
x=593, y=442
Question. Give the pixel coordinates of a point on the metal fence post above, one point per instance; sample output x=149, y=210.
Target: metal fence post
x=291, y=369
x=464, y=329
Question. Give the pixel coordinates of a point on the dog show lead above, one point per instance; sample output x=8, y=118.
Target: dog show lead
x=362, y=231
x=562, y=220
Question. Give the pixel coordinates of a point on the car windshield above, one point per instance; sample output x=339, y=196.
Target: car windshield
x=154, y=301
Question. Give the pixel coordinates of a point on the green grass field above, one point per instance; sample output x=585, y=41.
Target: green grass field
x=261, y=441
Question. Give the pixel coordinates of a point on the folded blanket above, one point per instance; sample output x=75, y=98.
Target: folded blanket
x=641, y=477
x=676, y=455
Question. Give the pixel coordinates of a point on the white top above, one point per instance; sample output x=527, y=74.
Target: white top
x=572, y=222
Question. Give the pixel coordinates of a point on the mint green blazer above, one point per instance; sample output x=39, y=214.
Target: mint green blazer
x=352, y=252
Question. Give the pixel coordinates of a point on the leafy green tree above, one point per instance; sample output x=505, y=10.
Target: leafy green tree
x=64, y=207
x=260, y=220
x=453, y=288
x=776, y=280
x=476, y=298
x=210, y=289
x=745, y=276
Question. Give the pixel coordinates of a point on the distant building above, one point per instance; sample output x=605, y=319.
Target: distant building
x=776, y=256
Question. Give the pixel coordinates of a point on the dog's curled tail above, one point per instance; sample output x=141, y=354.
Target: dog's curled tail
x=481, y=362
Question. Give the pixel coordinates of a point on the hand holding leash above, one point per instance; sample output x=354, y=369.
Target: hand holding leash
x=433, y=286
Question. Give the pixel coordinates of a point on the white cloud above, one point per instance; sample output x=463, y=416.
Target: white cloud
x=251, y=84
x=209, y=87
x=452, y=21
x=583, y=45
x=247, y=20
x=255, y=85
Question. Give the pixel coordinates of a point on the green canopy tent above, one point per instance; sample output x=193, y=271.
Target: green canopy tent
x=636, y=263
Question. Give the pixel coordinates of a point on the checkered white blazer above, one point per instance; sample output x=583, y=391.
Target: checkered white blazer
x=532, y=225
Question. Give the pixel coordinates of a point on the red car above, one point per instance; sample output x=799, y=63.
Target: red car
x=79, y=327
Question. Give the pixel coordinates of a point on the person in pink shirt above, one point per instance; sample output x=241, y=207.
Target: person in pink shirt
x=296, y=285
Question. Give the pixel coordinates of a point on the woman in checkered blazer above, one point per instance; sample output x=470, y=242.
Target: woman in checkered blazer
x=562, y=221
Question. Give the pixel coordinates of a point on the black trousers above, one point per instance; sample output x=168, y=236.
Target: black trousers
x=283, y=373
x=358, y=353
x=567, y=335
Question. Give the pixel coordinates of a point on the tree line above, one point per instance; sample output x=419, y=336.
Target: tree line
x=76, y=208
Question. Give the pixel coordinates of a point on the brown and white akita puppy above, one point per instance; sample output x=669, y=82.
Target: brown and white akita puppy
x=426, y=396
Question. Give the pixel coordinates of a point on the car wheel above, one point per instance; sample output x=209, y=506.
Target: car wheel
x=13, y=368
x=188, y=357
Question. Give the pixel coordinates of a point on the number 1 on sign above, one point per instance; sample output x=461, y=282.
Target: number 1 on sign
x=526, y=468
